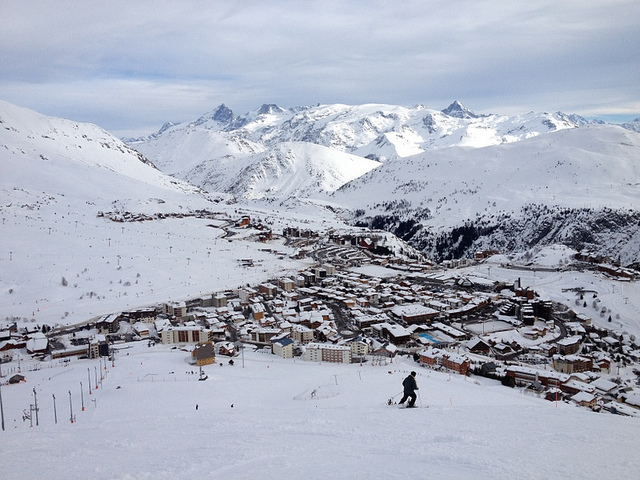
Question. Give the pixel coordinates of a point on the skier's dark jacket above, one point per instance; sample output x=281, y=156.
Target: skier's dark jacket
x=409, y=384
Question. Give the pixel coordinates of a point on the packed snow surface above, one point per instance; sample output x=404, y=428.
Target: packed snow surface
x=151, y=418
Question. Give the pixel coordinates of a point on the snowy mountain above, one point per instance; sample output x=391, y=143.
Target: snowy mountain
x=579, y=187
x=290, y=169
x=633, y=125
x=64, y=161
x=375, y=131
x=488, y=178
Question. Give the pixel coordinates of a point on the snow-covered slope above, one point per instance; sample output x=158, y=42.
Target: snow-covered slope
x=62, y=158
x=67, y=250
x=594, y=168
x=296, y=169
x=262, y=421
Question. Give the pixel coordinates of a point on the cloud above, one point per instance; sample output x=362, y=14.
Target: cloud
x=180, y=59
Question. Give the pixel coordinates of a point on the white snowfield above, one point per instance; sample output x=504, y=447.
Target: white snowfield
x=262, y=421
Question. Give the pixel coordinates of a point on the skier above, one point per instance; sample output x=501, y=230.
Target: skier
x=410, y=387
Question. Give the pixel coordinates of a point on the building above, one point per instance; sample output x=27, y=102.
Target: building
x=415, y=313
x=569, y=345
x=184, y=335
x=302, y=334
x=584, y=399
x=325, y=352
x=175, y=309
x=283, y=348
x=286, y=284
x=203, y=354
x=268, y=290
x=457, y=363
x=108, y=323
x=37, y=343
x=396, y=334
x=572, y=363
x=434, y=357
x=98, y=347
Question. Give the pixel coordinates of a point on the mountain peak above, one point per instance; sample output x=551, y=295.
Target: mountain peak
x=223, y=114
x=270, y=108
x=457, y=110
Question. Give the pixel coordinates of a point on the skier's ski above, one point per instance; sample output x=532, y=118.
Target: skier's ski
x=390, y=402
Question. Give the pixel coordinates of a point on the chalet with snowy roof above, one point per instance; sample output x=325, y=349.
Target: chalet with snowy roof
x=283, y=348
x=618, y=272
x=604, y=386
x=530, y=374
x=141, y=329
x=108, y=323
x=478, y=346
x=203, y=354
x=227, y=349
x=585, y=399
x=435, y=357
x=502, y=349
x=257, y=311
x=12, y=344
x=569, y=345
x=430, y=357
x=285, y=327
x=324, y=352
x=366, y=321
x=601, y=362
x=482, y=254
x=632, y=399
x=574, y=385
x=452, y=332
x=349, y=302
x=548, y=349
x=456, y=363
x=37, y=343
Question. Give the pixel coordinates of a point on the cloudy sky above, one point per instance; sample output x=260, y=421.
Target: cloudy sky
x=129, y=66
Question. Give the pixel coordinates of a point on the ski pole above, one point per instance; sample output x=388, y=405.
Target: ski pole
x=391, y=400
x=420, y=398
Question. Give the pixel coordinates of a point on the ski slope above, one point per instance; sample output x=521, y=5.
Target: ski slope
x=261, y=421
